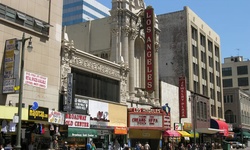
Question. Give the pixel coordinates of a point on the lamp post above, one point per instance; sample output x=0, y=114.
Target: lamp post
x=20, y=98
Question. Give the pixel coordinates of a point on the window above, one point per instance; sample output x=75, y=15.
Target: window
x=217, y=51
x=242, y=70
x=205, y=111
x=218, y=96
x=219, y=112
x=210, y=46
x=211, y=77
x=217, y=65
x=212, y=93
x=204, y=73
x=202, y=40
x=211, y=63
x=227, y=82
x=10, y=14
x=196, y=87
x=195, y=51
x=101, y=87
x=243, y=81
x=20, y=18
x=194, y=33
x=229, y=116
x=218, y=81
x=228, y=99
x=212, y=110
x=204, y=90
x=23, y=19
x=195, y=69
x=203, y=57
x=227, y=71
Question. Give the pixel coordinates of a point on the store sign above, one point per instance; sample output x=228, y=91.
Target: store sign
x=80, y=105
x=35, y=80
x=145, y=120
x=40, y=113
x=182, y=97
x=187, y=126
x=56, y=117
x=120, y=130
x=77, y=120
x=149, y=48
x=177, y=126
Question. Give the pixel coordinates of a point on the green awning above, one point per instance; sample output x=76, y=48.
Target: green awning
x=81, y=132
x=192, y=134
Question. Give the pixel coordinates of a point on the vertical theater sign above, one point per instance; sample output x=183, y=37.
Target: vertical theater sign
x=149, y=48
x=182, y=97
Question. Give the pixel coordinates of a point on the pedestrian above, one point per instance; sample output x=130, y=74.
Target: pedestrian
x=116, y=145
x=93, y=147
x=147, y=146
x=88, y=147
x=31, y=146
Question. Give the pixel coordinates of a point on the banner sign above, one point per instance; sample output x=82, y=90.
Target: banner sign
x=177, y=126
x=56, y=117
x=77, y=120
x=182, y=97
x=35, y=80
x=80, y=105
x=149, y=48
x=9, y=67
x=40, y=113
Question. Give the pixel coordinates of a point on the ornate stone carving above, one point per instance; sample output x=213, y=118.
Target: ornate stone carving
x=124, y=83
x=126, y=30
x=134, y=34
x=89, y=64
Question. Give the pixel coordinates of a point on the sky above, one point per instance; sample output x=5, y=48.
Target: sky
x=230, y=19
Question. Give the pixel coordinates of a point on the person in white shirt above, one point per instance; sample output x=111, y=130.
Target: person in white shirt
x=146, y=146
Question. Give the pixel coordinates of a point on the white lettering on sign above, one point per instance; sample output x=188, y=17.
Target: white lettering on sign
x=137, y=120
x=35, y=80
x=77, y=120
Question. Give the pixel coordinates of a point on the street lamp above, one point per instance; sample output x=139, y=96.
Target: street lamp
x=20, y=98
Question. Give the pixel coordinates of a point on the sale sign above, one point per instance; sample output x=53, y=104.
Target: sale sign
x=35, y=80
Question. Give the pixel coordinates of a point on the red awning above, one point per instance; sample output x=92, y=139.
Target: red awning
x=219, y=124
x=171, y=133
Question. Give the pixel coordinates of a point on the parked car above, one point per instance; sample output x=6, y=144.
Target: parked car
x=237, y=145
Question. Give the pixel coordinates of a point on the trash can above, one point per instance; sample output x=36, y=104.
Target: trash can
x=226, y=145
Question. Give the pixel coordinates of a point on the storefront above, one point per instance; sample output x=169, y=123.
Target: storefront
x=145, y=125
x=8, y=125
x=109, y=124
x=78, y=130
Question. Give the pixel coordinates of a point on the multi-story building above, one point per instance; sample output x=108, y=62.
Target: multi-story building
x=237, y=104
x=236, y=73
x=78, y=11
x=190, y=48
x=25, y=23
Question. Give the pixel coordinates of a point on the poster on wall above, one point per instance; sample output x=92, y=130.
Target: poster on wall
x=35, y=80
x=99, y=113
x=56, y=117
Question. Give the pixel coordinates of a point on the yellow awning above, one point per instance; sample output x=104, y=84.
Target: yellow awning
x=8, y=112
x=184, y=134
x=192, y=134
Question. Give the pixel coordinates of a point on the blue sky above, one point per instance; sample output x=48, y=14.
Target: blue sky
x=230, y=19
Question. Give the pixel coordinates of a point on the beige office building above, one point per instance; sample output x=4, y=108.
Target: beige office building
x=41, y=20
x=190, y=48
x=236, y=73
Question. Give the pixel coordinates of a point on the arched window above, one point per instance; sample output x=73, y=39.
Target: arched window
x=229, y=116
x=139, y=63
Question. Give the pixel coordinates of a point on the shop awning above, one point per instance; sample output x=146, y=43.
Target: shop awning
x=192, y=134
x=219, y=124
x=184, y=134
x=208, y=130
x=171, y=133
x=81, y=132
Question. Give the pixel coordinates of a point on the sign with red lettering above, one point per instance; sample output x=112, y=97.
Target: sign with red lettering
x=145, y=120
x=149, y=48
x=182, y=98
x=77, y=120
x=35, y=80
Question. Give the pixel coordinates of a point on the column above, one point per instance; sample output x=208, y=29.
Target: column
x=131, y=64
x=125, y=32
